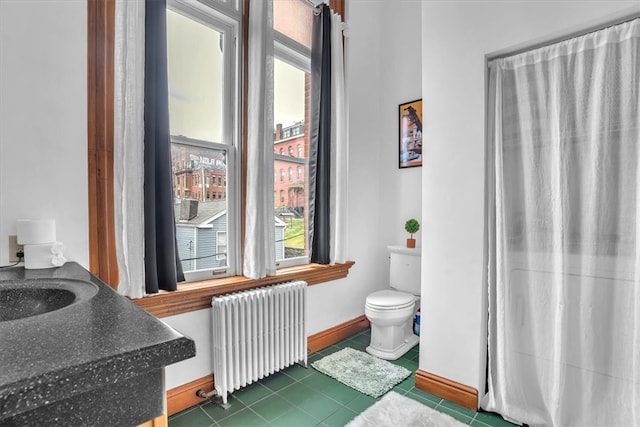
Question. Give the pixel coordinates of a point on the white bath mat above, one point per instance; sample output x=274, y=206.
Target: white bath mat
x=396, y=410
x=361, y=371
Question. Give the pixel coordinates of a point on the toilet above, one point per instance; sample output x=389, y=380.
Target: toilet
x=391, y=311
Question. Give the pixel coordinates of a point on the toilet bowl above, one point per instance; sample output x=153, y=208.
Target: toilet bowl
x=391, y=311
x=391, y=315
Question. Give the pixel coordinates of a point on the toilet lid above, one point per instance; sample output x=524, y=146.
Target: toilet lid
x=390, y=299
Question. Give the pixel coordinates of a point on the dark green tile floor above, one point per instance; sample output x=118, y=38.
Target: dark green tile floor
x=299, y=397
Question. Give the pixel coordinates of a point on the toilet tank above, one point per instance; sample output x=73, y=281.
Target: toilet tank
x=404, y=269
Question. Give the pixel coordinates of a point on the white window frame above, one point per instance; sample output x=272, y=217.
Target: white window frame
x=225, y=17
x=299, y=56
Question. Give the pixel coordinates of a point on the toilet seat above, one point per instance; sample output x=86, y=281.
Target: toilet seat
x=390, y=300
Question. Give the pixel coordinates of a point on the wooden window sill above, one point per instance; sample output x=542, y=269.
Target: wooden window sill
x=197, y=295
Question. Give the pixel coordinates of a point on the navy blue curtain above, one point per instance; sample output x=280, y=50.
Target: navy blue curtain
x=162, y=265
x=320, y=126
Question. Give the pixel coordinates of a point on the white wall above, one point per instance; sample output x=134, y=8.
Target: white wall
x=456, y=36
x=401, y=81
x=43, y=119
x=383, y=70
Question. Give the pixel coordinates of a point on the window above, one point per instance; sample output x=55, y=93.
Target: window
x=292, y=82
x=203, y=64
x=100, y=81
x=221, y=245
x=202, y=68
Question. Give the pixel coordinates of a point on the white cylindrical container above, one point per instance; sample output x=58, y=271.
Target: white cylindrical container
x=36, y=231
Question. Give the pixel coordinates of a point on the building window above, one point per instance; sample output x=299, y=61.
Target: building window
x=291, y=151
x=299, y=173
x=221, y=245
x=281, y=174
x=299, y=150
x=290, y=174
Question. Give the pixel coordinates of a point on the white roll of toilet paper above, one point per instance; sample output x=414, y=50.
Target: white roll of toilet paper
x=46, y=255
x=36, y=231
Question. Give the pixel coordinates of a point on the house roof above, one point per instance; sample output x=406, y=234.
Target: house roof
x=206, y=212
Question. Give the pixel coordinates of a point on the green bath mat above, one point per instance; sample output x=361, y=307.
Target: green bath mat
x=361, y=371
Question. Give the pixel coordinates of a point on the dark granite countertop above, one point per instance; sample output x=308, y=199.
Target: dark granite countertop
x=63, y=353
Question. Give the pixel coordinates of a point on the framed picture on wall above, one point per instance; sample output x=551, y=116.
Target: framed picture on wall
x=410, y=135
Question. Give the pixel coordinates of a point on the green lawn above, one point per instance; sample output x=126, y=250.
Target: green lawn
x=294, y=233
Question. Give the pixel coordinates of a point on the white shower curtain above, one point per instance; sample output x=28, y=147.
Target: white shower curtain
x=564, y=232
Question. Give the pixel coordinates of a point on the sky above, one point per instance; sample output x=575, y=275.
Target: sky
x=195, y=82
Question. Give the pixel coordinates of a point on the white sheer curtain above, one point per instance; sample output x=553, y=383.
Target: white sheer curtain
x=128, y=145
x=259, y=243
x=564, y=232
x=339, y=152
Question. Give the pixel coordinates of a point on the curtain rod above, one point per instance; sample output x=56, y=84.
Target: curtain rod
x=620, y=17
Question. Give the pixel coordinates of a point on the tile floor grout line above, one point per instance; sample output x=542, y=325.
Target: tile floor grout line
x=457, y=412
x=207, y=415
x=256, y=413
x=302, y=410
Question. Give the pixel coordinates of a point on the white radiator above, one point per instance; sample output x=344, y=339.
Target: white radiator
x=257, y=333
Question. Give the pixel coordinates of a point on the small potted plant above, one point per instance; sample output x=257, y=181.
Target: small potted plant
x=412, y=226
